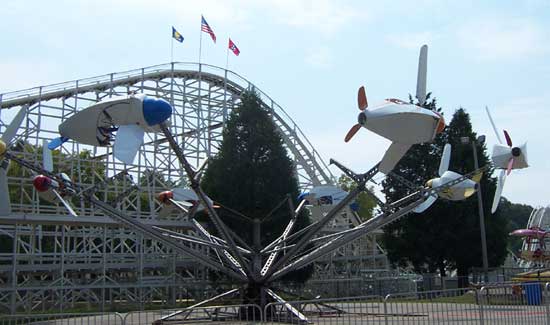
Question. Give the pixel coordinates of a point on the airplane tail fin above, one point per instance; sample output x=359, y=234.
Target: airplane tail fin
x=57, y=142
x=47, y=159
x=421, y=78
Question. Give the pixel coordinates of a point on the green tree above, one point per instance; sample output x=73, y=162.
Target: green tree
x=447, y=235
x=252, y=173
x=365, y=201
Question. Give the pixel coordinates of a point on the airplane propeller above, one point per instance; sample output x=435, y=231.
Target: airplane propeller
x=505, y=157
x=5, y=141
x=362, y=104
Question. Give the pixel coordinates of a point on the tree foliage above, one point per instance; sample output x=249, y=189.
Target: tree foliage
x=252, y=173
x=447, y=235
x=365, y=202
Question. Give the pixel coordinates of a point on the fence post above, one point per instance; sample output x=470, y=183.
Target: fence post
x=547, y=303
x=480, y=300
x=386, y=309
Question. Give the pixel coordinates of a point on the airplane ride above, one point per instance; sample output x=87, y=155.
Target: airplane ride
x=505, y=157
x=457, y=192
x=402, y=123
x=179, y=199
x=129, y=117
x=50, y=189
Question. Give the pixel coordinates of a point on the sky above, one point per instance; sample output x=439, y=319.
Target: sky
x=312, y=56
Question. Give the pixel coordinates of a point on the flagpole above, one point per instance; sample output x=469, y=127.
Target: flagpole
x=200, y=44
x=172, y=49
x=227, y=58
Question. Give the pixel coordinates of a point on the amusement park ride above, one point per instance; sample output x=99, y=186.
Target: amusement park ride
x=253, y=268
x=458, y=192
x=505, y=157
x=402, y=123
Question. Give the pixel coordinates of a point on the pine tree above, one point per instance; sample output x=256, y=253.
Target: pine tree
x=252, y=173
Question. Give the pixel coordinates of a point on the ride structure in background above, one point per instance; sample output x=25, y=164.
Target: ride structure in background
x=535, y=250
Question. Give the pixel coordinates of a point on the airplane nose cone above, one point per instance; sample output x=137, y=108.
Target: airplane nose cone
x=362, y=119
x=516, y=152
x=42, y=183
x=156, y=110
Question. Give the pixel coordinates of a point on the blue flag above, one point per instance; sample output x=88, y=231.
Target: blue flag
x=177, y=35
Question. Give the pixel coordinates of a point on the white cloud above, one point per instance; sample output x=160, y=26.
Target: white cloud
x=503, y=38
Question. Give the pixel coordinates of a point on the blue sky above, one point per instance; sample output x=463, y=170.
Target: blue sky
x=311, y=56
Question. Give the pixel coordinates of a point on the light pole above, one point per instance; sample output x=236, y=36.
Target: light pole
x=480, y=140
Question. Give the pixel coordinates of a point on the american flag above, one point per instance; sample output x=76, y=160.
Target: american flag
x=207, y=29
x=234, y=47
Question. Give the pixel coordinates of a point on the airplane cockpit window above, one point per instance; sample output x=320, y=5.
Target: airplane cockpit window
x=396, y=101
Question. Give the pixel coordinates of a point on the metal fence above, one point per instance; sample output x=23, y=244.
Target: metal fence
x=242, y=314
x=63, y=319
x=513, y=303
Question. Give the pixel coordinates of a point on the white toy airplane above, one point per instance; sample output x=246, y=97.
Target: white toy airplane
x=323, y=195
x=505, y=158
x=50, y=189
x=180, y=198
x=130, y=117
x=457, y=192
x=7, y=137
x=402, y=123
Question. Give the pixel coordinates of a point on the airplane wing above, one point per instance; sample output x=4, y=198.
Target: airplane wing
x=426, y=204
x=65, y=203
x=500, y=185
x=392, y=156
x=11, y=130
x=9, y=133
x=128, y=140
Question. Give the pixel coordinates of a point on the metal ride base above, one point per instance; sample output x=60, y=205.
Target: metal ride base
x=254, y=270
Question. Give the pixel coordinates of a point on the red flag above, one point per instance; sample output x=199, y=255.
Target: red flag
x=234, y=47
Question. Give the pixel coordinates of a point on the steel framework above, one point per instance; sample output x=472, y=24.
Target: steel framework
x=539, y=219
x=52, y=260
